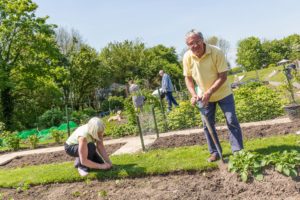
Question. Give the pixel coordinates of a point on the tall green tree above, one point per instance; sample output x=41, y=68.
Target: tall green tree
x=26, y=43
x=292, y=43
x=161, y=57
x=86, y=75
x=274, y=51
x=250, y=53
x=123, y=60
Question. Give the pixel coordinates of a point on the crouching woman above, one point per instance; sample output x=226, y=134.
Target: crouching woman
x=84, y=143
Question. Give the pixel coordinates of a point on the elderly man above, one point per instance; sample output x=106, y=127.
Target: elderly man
x=206, y=65
x=167, y=88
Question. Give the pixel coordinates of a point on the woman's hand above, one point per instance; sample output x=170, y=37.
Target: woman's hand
x=105, y=166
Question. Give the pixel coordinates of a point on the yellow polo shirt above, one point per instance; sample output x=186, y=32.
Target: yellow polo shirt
x=205, y=71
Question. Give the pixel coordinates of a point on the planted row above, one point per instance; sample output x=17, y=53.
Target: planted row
x=248, y=164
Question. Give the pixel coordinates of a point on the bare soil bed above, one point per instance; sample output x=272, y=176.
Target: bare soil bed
x=47, y=158
x=248, y=133
x=199, y=185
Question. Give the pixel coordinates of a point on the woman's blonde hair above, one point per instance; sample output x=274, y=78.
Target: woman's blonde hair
x=95, y=125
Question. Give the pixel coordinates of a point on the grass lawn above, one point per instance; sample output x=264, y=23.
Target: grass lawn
x=141, y=164
x=262, y=74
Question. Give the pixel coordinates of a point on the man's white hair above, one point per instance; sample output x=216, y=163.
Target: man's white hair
x=193, y=32
x=95, y=125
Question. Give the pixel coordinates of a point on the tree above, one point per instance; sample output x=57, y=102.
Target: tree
x=273, y=51
x=123, y=60
x=292, y=43
x=26, y=47
x=86, y=74
x=69, y=44
x=249, y=53
x=161, y=57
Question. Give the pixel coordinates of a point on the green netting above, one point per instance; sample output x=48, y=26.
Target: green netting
x=25, y=134
x=64, y=127
x=46, y=133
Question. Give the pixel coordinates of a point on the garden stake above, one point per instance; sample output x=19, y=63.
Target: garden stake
x=210, y=130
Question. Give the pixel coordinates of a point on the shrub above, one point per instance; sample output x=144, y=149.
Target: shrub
x=33, y=141
x=113, y=103
x=12, y=140
x=121, y=130
x=2, y=126
x=184, y=116
x=82, y=116
x=52, y=117
x=57, y=135
x=129, y=111
x=257, y=103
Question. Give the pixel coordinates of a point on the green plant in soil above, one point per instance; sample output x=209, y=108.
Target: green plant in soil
x=285, y=162
x=102, y=193
x=76, y=194
x=12, y=140
x=57, y=135
x=247, y=163
x=33, y=140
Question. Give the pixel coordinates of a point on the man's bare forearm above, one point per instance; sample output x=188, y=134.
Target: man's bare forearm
x=190, y=85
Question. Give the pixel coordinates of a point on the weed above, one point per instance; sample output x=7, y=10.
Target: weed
x=57, y=135
x=102, y=193
x=33, y=141
x=76, y=194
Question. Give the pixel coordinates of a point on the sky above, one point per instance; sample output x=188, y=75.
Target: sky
x=167, y=21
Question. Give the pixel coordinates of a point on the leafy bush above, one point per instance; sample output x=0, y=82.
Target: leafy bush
x=129, y=111
x=113, y=103
x=52, y=117
x=82, y=116
x=255, y=102
x=57, y=135
x=12, y=140
x=33, y=141
x=120, y=130
x=2, y=126
x=184, y=116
